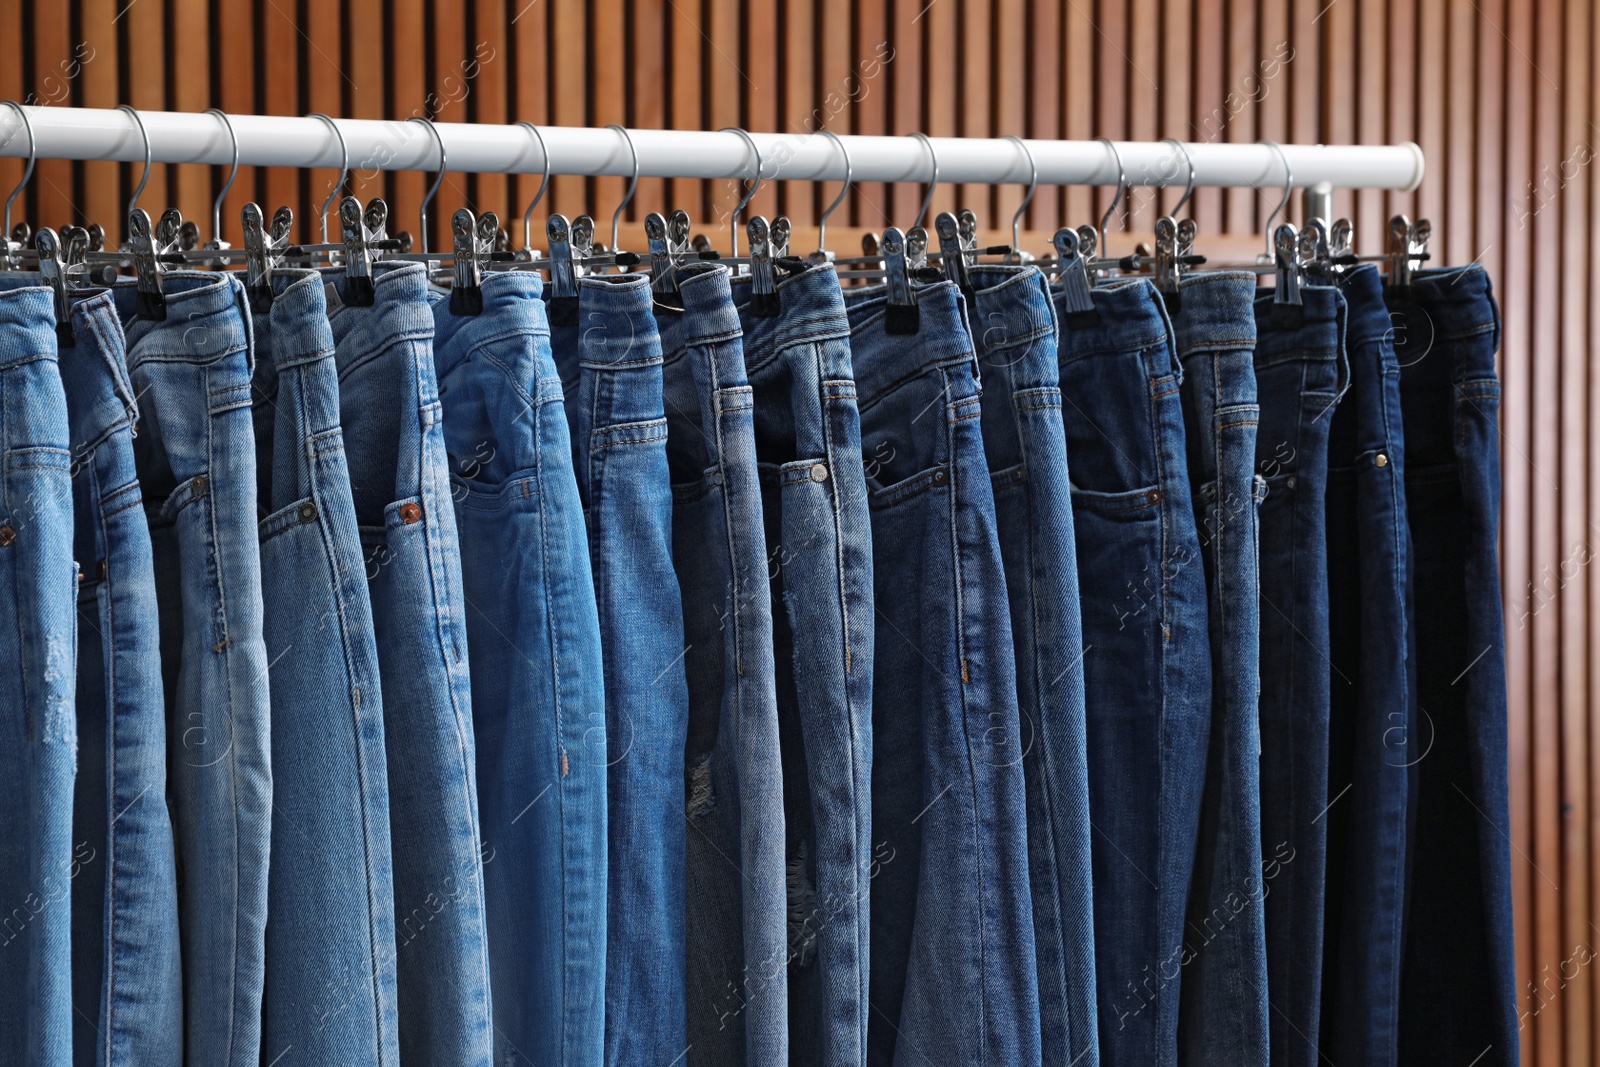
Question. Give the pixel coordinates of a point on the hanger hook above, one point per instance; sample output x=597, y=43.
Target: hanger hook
x=133, y=202
x=1288, y=190
x=733, y=224
x=527, y=216
x=33, y=154
x=1188, y=189
x=216, y=205
x=849, y=170
x=1022, y=208
x=633, y=183
x=344, y=170
x=922, y=212
x=422, y=213
x=1122, y=183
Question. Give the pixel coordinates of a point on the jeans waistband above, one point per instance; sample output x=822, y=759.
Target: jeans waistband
x=617, y=321
x=1319, y=335
x=94, y=372
x=298, y=319
x=1459, y=300
x=1129, y=318
x=883, y=361
x=400, y=311
x=708, y=313
x=206, y=319
x=513, y=307
x=813, y=310
x=1368, y=317
x=27, y=316
x=1012, y=306
x=1218, y=312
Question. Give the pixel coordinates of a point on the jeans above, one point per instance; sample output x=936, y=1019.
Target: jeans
x=737, y=904
x=38, y=857
x=1457, y=996
x=1300, y=374
x=1224, y=1017
x=612, y=380
x=399, y=474
x=538, y=703
x=127, y=981
x=330, y=970
x=196, y=459
x=953, y=961
x=819, y=559
x=1146, y=665
x=1372, y=709
x=1024, y=441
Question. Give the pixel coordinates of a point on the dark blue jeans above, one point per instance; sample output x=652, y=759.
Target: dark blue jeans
x=819, y=560
x=1224, y=1015
x=1300, y=373
x=953, y=959
x=1147, y=664
x=1457, y=998
x=610, y=364
x=1371, y=711
x=1025, y=444
x=737, y=900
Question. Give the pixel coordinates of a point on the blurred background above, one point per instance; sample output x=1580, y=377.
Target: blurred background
x=1501, y=95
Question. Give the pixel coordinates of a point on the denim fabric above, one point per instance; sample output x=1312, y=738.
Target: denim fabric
x=196, y=459
x=38, y=579
x=538, y=702
x=737, y=919
x=1371, y=710
x=819, y=558
x=1300, y=374
x=1457, y=996
x=1024, y=440
x=1224, y=1014
x=399, y=475
x=127, y=981
x=1146, y=664
x=954, y=975
x=330, y=972
x=612, y=381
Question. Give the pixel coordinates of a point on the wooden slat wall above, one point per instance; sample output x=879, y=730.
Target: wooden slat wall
x=1502, y=96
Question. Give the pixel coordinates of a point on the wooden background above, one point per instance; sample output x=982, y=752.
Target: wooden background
x=1501, y=95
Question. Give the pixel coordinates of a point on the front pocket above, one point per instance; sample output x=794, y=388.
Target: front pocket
x=1134, y=505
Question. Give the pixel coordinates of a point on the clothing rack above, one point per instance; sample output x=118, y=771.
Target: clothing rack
x=283, y=141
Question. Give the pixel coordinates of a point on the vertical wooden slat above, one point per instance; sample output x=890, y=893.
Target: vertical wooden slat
x=11, y=84
x=725, y=83
x=1112, y=76
x=1459, y=243
x=645, y=26
x=147, y=61
x=57, y=64
x=368, y=90
x=1303, y=77
x=407, y=75
x=833, y=67
x=942, y=109
x=801, y=113
x=1572, y=578
x=975, y=100
x=1543, y=474
x=1246, y=209
x=325, y=85
x=189, y=82
x=688, y=194
x=909, y=97
x=607, y=102
x=1210, y=121
x=1144, y=92
x=1177, y=59
x=1591, y=181
x=1402, y=97
x=867, y=88
x=446, y=101
x=98, y=88
x=1341, y=68
x=1043, y=49
x=489, y=62
x=1268, y=85
x=1373, y=47
x=528, y=29
x=281, y=39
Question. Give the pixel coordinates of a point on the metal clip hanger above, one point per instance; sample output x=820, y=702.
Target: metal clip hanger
x=633, y=184
x=967, y=235
x=473, y=242
x=1076, y=298
x=822, y=254
x=152, y=301
x=1017, y=255
x=53, y=271
x=563, y=308
x=662, y=277
x=953, y=253
x=1406, y=242
x=780, y=237
x=361, y=231
x=733, y=220
x=583, y=249
x=13, y=245
x=217, y=244
x=1286, y=261
x=264, y=251
x=901, y=316
x=527, y=252
x=764, y=300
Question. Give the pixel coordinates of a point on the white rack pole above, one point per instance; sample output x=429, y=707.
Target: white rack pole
x=278, y=141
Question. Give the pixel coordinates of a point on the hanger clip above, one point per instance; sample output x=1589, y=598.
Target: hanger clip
x=662, y=276
x=967, y=227
x=563, y=276
x=764, y=289
x=152, y=301
x=1341, y=252
x=358, y=251
x=1077, y=301
x=901, y=317
x=1286, y=298
x=780, y=237
x=1406, y=243
x=582, y=245
x=52, y=269
x=466, y=282
x=1166, y=262
x=953, y=253
x=263, y=252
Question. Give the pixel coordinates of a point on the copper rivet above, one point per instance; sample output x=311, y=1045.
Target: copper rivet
x=410, y=513
x=1155, y=496
x=1382, y=460
x=819, y=472
x=7, y=535
x=308, y=512
x=940, y=477
x=200, y=484
x=102, y=570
